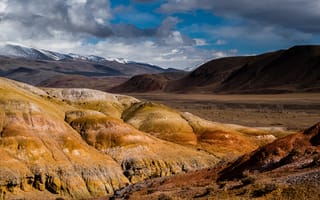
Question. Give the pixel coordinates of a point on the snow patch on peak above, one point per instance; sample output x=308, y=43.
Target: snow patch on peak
x=119, y=60
x=20, y=51
x=54, y=55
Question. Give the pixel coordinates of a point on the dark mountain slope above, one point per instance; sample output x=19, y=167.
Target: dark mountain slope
x=39, y=67
x=295, y=151
x=294, y=70
x=209, y=76
x=148, y=82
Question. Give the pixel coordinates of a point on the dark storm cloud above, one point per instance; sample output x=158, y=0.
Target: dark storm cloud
x=167, y=25
x=302, y=15
x=167, y=36
x=74, y=16
x=39, y=18
x=131, y=31
x=143, y=1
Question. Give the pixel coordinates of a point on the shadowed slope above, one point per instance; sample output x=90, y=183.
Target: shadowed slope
x=148, y=82
x=207, y=77
x=292, y=70
x=293, y=151
x=78, y=81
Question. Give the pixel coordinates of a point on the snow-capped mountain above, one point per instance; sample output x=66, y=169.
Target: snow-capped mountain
x=18, y=51
x=48, y=68
x=23, y=52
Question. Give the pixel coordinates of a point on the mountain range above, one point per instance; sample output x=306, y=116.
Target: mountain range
x=48, y=68
x=296, y=69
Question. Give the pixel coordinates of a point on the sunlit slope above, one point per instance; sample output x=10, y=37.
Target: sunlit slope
x=160, y=121
x=40, y=152
x=140, y=155
x=82, y=143
x=224, y=140
x=94, y=155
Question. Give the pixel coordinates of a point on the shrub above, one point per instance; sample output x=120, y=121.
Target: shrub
x=248, y=180
x=268, y=188
x=164, y=197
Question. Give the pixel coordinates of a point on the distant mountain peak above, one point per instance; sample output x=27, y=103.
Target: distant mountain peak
x=20, y=51
x=44, y=67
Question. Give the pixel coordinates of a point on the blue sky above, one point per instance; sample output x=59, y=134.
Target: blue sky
x=169, y=33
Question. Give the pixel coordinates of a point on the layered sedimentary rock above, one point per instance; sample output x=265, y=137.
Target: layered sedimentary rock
x=93, y=156
x=223, y=140
x=140, y=155
x=39, y=151
x=296, y=151
x=81, y=143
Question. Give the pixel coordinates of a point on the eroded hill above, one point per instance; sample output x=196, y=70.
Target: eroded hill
x=288, y=168
x=82, y=143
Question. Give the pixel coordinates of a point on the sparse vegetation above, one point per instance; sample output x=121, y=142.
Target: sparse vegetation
x=264, y=190
x=164, y=196
x=248, y=180
x=316, y=160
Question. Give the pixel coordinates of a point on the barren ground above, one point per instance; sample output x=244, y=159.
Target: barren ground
x=293, y=111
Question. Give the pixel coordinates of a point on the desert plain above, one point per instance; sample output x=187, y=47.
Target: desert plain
x=295, y=111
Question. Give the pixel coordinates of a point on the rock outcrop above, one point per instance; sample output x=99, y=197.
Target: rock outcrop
x=40, y=152
x=141, y=155
x=160, y=121
x=223, y=140
x=294, y=151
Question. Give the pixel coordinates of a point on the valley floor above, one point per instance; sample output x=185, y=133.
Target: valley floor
x=293, y=111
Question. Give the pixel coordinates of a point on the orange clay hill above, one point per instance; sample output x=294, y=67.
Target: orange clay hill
x=288, y=168
x=82, y=143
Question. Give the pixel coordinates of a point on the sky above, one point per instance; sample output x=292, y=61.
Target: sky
x=169, y=33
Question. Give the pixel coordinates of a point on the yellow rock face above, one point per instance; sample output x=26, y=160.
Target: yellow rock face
x=160, y=121
x=81, y=143
x=39, y=151
x=140, y=155
x=109, y=104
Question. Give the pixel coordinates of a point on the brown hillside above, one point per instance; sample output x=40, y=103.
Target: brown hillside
x=207, y=77
x=77, y=81
x=285, y=169
x=294, y=70
x=147, y=82
x=298, y=150
x=49, y=72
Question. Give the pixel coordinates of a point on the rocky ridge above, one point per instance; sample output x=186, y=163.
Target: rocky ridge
x=287, y=168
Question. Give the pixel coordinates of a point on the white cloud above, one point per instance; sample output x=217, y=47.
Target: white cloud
x=70, y=26
x=151, y=52
x=3, y=6
x=220, y=42
x=200, y=42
